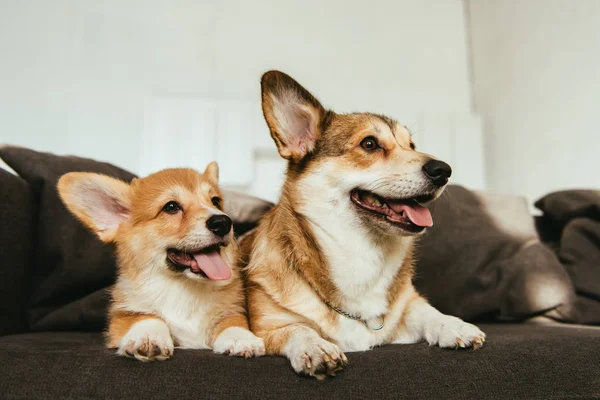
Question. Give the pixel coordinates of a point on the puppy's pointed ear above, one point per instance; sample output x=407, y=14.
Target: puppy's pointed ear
x=102, y=203
x=212, y=172
x=293, y=114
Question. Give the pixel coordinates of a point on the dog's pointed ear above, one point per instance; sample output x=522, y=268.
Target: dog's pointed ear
x=212, y=172
x=293, y=115
x=102, y=203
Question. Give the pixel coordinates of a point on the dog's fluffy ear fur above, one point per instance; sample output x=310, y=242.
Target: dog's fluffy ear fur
x=212, y=172
x=293, y=114
x=102, y=203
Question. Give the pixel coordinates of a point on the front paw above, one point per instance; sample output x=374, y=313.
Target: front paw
x=451, y=332
x=316, y=357
x=147, y=340
x=239, y=342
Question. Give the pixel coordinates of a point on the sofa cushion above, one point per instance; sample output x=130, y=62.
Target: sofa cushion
x=483, y=258
x=17, y=219
x=72, y=268
x=571, y=221
x=517, y=361
x=561, y=207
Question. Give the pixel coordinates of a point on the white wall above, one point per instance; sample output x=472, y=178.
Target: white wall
x=141, y=83
x=536, y=74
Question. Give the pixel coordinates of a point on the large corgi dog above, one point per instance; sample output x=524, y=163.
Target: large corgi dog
x=175, y=285
x=330, y=266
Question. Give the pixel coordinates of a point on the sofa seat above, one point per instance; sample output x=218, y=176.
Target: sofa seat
x=517, y=361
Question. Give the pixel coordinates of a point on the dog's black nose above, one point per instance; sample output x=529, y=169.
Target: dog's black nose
x=437, y=171
x=220, y=225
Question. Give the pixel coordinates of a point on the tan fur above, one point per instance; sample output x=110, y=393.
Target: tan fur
x=148, y=293
x=291, y=282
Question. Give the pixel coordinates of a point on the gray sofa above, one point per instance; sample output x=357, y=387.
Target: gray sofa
x=482, y=261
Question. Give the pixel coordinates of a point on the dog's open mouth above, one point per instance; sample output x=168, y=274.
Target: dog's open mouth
x=206, y=262
x=408, y=214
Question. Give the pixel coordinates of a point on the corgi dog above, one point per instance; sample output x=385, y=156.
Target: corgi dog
x=330, y=267
x=175, y=251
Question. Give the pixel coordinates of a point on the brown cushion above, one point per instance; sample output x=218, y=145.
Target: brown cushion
x=482, y=258
x=72, y=268
x=17, y=219
x=571, y=220
x=561, y=207
x=244, y=210
x=580, y=254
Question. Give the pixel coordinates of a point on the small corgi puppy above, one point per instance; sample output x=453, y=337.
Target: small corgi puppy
x=330, y=267
x=175, y=251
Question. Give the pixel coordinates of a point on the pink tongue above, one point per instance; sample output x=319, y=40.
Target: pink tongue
x=417, y=214
x=213, y=266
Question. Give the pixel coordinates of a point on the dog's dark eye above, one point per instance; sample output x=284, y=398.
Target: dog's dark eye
x=412, y=146
x=369, y=143
x=171, y=207
x=216, y=202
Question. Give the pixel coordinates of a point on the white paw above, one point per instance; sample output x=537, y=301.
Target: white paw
x=315, y=356
x=451, y=332
x=240, y=342
x=147, y=340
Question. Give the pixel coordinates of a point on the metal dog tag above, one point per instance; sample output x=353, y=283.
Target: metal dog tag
x=376, y=323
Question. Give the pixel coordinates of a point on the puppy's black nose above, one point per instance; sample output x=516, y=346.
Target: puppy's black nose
x=437, y=171
x=220, y=225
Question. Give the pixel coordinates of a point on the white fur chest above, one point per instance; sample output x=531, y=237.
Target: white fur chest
x=360, y=268
x=362, y=265
x=363, y=271
x=184, y=306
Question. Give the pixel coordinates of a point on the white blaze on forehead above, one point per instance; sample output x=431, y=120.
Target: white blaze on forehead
x=402, y=134
x=399, y=134
x=204, y=188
